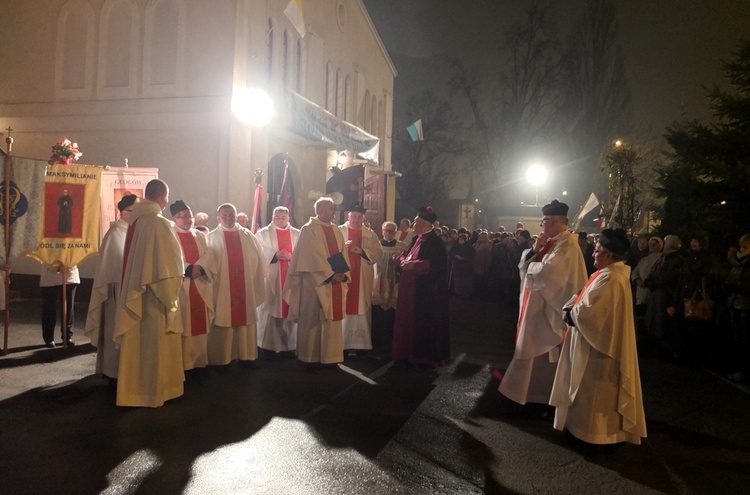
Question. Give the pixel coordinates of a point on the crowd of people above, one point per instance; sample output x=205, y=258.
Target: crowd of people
x=169, y=297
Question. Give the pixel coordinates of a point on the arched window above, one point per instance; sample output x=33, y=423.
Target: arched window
x=286, y=64
x=366, y=113
x=339, y=93
x=330, y=87
x=301, y=60
x=269, y=50
x=74, y=58
x=164, y=47
x=347, y=99
x=118, y=49
x=374, y=116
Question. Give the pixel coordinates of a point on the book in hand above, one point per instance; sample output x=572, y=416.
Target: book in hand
x=338, y=263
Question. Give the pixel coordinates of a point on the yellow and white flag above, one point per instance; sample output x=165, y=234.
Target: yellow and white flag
x=295, y=14
x=70, y=231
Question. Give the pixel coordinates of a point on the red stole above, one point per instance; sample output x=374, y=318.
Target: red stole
x=527, y=292
x=332, y=246
x=236, y=271
x=197, y=306
x=284, y=239
x=355, y=262
x=583, y=292
x=126, y=252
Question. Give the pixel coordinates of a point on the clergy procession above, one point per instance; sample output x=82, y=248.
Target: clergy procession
x=169, y=299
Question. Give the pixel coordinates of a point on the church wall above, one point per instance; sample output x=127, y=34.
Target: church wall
x=152, y=80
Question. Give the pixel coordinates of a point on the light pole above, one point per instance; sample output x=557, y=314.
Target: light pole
x=536, y=175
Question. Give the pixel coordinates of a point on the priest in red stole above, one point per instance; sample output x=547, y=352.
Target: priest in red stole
x=556, y=271
x=364, y=251
x=100, y=321
x=316, y=287
x=196, y=297
x=276, y=332
x=238, y=271
x=597, y=389
x=149, y=326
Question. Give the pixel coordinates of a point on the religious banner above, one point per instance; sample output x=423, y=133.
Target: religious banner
x=118, y=182
x=26, y=194
x=70, y=231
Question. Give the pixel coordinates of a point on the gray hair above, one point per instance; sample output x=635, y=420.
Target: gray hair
x=673, y=242
x=321, y=200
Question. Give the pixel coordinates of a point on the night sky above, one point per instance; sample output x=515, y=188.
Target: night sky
x=673, y=48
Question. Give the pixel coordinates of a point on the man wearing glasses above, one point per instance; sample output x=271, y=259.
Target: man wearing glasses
x=556, y=270
x=196, y=305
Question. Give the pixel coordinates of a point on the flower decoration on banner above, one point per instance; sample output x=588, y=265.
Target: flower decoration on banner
x=65, y=152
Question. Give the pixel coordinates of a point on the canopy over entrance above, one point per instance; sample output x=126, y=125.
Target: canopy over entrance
x=317, y=123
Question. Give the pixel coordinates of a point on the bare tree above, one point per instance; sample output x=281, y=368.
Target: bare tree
x=516, y=108
x=428, y=166
x=597, y=99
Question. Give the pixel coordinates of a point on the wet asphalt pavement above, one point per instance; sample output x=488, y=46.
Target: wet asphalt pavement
x=362, y=428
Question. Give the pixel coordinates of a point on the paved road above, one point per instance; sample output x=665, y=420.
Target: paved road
x=363, y=428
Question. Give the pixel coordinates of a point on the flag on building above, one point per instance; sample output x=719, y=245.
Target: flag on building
x=295, y=14
x=255, y=221
x=26, y=193
x=287, y=194
x=415, y=131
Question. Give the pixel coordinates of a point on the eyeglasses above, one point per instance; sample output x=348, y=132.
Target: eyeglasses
x=185, y=216
x=390, y=231
x=601, y=251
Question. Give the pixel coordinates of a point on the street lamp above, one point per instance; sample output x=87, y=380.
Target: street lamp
x=252, y=106
x=536, y=175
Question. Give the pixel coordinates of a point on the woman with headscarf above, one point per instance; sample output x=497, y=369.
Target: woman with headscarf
x=421, y=331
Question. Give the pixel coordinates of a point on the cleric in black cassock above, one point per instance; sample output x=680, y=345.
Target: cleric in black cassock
x=421, y=332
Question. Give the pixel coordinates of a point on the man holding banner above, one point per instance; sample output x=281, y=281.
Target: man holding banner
x=149, y=325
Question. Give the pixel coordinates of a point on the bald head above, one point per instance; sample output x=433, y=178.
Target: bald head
x=158, y=191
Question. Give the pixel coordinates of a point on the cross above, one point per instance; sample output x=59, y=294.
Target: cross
x=9, y=140
x=467, y=210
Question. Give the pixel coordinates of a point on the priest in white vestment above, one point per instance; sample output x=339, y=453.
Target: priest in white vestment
x=316, y=287
x=149, y=326
x=100, y=321
x=597, y=389
x=238, y=271
x=554, y=273
x=196, y=296
x=276, y=332
x=365, y=251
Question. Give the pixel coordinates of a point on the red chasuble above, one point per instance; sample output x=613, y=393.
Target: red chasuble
x=355, y=262
x=236, y=270
x=197, y=306
x=336, y=290
x=284, y=239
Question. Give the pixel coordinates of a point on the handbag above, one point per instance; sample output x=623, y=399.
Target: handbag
x=699, y=309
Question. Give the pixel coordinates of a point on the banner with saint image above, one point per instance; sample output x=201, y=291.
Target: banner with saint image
x=70, y=231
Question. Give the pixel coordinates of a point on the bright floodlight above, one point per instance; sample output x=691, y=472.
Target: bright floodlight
x=536, y=175
x=252, y=106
